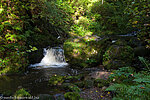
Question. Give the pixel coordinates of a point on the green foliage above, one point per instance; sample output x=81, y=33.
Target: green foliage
x=80, y=31
x=24, y=25
x=129, y=84
x=22, y=93
x=12, y=38
x=122, y=75
x=110, y=18
x=33, y=23
x=145, y=62
x=58, y=14
x=139, y=16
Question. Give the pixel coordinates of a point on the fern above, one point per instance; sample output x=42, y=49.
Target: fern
x=127, y=86
x=141, y=78
x=115, y=87
x=127, y=92
x=145, y=62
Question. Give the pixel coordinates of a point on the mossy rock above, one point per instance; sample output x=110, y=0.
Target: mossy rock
x=85, y=51
x=71, y=87
x=88, y=83
x=72, y=96
x=101, y=82
x=80, y=84
x=74, y=78
x=56, y=80
x=142, y=51
x=117, y=56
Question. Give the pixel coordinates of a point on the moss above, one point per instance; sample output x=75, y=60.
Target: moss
x=56, y=80
x=85, y=51
x=80, y=84
x=118, y=56
x=88, y=83
x=72, y=96
x=74, y=78
x=71, y=87
x=100, y=83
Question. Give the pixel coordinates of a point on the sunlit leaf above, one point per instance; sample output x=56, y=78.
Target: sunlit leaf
x=1, y=10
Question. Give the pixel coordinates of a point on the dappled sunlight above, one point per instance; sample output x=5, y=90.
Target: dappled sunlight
x=93, y=49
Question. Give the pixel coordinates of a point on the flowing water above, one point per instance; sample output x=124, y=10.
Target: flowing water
x=36, y=79
x=53, y=57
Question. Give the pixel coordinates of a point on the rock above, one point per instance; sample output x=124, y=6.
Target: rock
x=88, y=83
x=56, y=80
x=95, y=94
x=36, y=56
x=1, y=95
x=104, y=88
x=85, y=51
x=80, y=84
x=117, y=56
x=141, y=51
x=46, y=97
x=72, y=96
x=58, y=97
x=100, y=75
x=70, y=87
x=19, y=87
x=101, y=83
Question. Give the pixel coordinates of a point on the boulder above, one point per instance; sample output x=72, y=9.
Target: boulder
x=142, y=51
x=85, y=51
x=36, y=56
x=100, y=75
x=117, y=56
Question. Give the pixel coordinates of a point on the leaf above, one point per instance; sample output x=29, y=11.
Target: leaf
x=145, y=79
x=114, y=87
x=1, y=10
x=145, y=62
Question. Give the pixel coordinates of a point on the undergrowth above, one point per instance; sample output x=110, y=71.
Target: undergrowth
x=129, y=84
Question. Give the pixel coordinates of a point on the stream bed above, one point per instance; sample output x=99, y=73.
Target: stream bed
x=35, y=81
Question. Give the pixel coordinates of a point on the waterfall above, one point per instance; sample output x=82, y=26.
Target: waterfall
x=53, y=57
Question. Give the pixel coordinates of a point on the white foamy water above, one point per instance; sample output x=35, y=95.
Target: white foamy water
x=53, y=57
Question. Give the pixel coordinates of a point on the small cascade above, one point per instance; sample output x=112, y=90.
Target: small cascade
x=53, y=57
